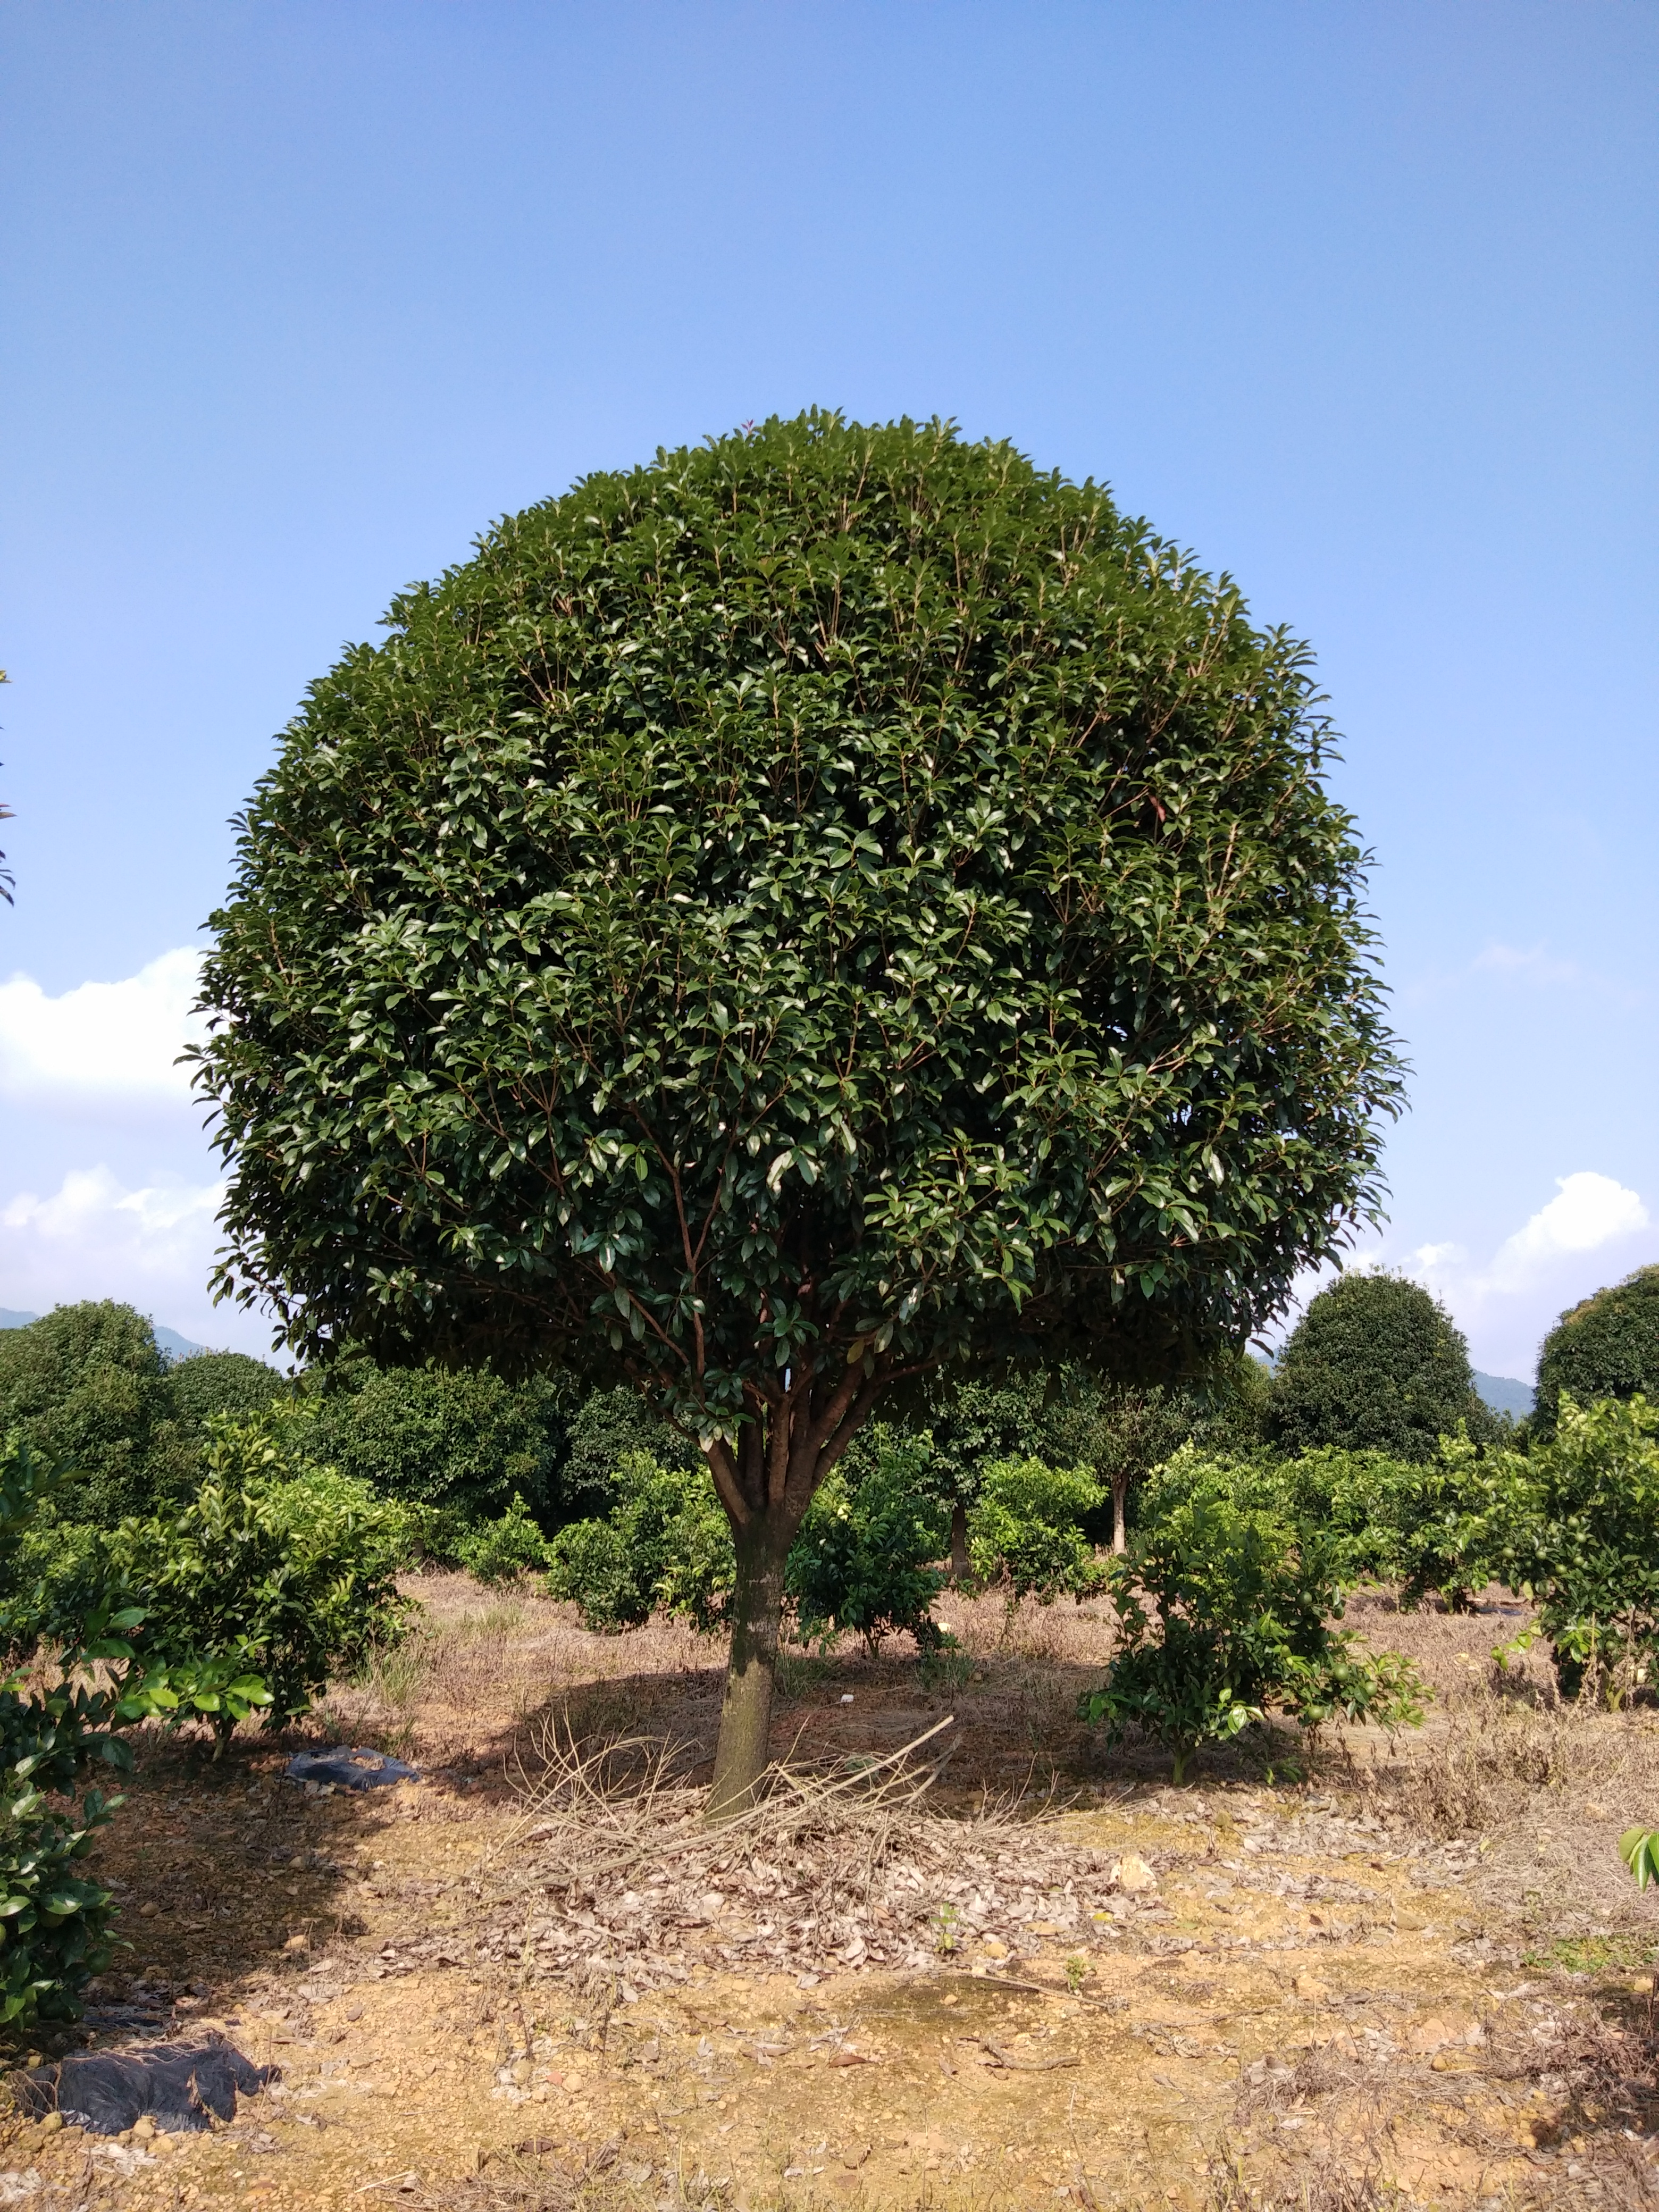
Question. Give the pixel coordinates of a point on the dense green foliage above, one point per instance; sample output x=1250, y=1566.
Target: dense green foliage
x=501, y=1549
x=277, y=1567
x=665, y=1545
x=85, y=1386
x=606, y=1428
x=211, y=1384
x=1025, y=1530
x=831, y=900
x=1223, y=1614
x=460, y=1440
x=863, y=1560
x=1433, y=1527
x=1607, y=1346
x=57, y=1728
x=1376, y=1363
x=1576, y=1528
x=834, y=890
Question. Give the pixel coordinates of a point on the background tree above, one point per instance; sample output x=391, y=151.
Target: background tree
x=830, y=902
x=463, y=1440
x=86, y=1385
x=1607, y=1346
x=210, y=1384
x=1376, y=1363
x=1121, y=1431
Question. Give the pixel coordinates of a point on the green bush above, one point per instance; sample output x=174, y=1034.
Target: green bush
x=1606, y=1348
x=1026, y=1530
x=1374, y=1364
x=54, y=1921
x=288, y=1566
x=1428, y=1527
x=606, y=1428
x=1579, y=1533
x=666, y=1544
x=1224, y=1612
x=497, y=1550
x=862, y=1560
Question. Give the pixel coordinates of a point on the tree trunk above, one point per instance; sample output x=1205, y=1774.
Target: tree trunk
x=958, y=1542
x=745, y=1737
x=1120, y=1511
x=792, y=1433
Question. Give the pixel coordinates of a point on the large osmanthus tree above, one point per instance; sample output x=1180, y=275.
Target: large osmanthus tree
x=832, y=901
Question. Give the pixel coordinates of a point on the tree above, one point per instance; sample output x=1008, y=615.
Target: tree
x=1376, y=1363
x=211, y=1383
x=1607, y=1346
x=468, y=1440
x=86, y=1384
x=777, y=920
x=1124, y=1430
x=971, y=1420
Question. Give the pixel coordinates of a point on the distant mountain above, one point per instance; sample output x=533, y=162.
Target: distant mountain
x=1501, y=1392
x=180, y=1347
x=167, y=1340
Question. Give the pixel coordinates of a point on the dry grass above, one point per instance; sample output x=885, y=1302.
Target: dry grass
x=537, y=1980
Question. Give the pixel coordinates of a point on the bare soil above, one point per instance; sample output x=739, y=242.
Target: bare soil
x=1340, y=1974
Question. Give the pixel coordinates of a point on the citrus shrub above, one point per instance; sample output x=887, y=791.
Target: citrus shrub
x=1579, y=1536
x=1224, y=1612
x=665, y=1544
x=1025, y=1531
x=501, y=1549
x=1438, y=1525
x=55, y=1734
x=863, y=1558
x=277, y=1567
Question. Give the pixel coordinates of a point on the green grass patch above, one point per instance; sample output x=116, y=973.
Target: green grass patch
x=1596, y=1954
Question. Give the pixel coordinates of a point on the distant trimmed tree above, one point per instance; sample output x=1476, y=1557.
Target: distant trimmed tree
x=85, y=1383
x=1607, y=1346
x=834, y=900
x=208, y=1384
x=1376, y=1363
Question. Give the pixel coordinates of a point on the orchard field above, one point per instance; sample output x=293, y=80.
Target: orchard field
x=1372, y=1972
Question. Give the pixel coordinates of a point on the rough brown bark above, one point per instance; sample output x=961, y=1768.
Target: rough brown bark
x=744, y=1746
x=790, y=1439
x=958, y=1542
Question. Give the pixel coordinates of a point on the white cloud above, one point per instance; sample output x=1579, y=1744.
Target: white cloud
x=1530, y=965
x=93, y=1238
x=1435, y=1258
x=1587, y=1212
x=114, y=1043
x=1585, y=1235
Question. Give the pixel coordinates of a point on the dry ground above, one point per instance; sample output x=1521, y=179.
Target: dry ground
x=1350, y=1974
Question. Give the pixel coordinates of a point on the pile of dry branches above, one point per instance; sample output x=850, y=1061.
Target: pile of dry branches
x=613, y=1872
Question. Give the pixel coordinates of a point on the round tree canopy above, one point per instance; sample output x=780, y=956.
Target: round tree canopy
x=829, y=899
x=1376, y=1363
x=1607, y=1346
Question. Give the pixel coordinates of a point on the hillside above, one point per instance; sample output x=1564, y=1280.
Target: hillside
x=168, y=1339
x=1501, y=1392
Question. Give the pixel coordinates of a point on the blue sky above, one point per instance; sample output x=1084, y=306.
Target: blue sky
x=1357, y=303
